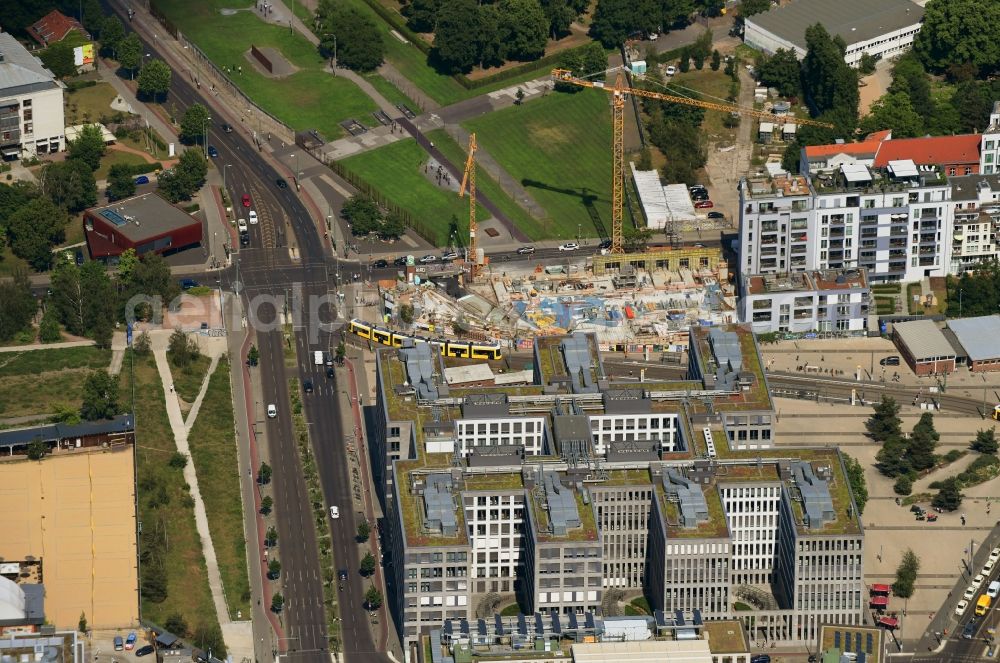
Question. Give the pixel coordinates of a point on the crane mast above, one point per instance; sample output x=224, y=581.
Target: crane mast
x=469, y=179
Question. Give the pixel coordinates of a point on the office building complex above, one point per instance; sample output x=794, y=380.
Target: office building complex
x=32, y=121
x=668, y=490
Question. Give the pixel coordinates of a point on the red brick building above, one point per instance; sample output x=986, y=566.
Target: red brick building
x=144, y=223
x=924, y=347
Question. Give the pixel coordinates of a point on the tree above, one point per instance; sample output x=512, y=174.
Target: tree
x=959, y=31
x=340, y=353
x=891, y=460
x=367, y=564
x=973, y=102
x=856, y=478
x=392, y=227
x=903, y=485
x=920, y=446
x=208, y=637
x=130, y=53
x=828, y=82
x=560, y=14
x=277, y=602
x=68, y=298
x=406, y=313
x=88, y=147
x=178, y=461
x=949, y=495
x=906, y=575
x=99, y=298
x=524, y=28
x=266, y=504
x=421, y=15
x=253, y=355
x=359, y=43
x=910, y=78
x=273, y=569
x=187, y=176
x=364, y=531
x=264, y=474
x=37, y=449
x=121, y=182
x=150, y=277
x=34, y=230
x=751, y=7
x=884, y=422
x=716, y=60
x=142, y=343
x=58, y=58
x=48, y=328
x=176, y=625
x=182, y=349
x=112, y=34
x=456, y=39
x=100, y=396
x=373, y=598
x=893, y=111
x=489, y=43
x=614, y=21
x=153, y=584
x=154, y=79
x=81, y=626
x=866, y=64
x=685, y=62
x=271, y=538
x=17, y=305
x=986, y=442
x=194, y=122
x=70, y=184
x=362, y=214
x=783, y=71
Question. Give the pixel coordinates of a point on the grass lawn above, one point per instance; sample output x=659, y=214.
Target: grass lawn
x=10, y=263
x=559, y=147
x=534, y=228
x=397, y=171
x=713, y=87
x=307, y=99
x=391, y=92
x=187, y=380
x=512, y=610
x=213, y=448
x=166, y=508
x=89, y=104
x=112, y=157
x=41, y=381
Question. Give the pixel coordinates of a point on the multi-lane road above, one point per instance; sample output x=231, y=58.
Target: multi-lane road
x=264, y=268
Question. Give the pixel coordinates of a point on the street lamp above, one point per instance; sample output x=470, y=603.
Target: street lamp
x=224, y=168
x=205, y=137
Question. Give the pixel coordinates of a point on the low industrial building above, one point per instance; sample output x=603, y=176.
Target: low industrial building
x=32, y=120
x=882, y=29
x=820, y=301
x=980, y=339
x=146, y=223
x=924, y=347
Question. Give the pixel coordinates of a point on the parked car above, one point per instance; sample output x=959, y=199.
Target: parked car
x=569, y=246
x=144, y=651
x=187, y=284
x=212, y=152
x=526, y=250
x=380, y=264
x=399, y=262
x=988, y=567
x=244, y=238
x=428, y=259
x=994, y=589
x=995, y=554
x=280, y=183
x=142, y=179
x=272, y=411
x=704, y=204
x=329, y=372
x=977, y=582
x=253, y=218
x=246, y=200
x=449, y=255
x=970, y=593
x=960, y=607
x=119, y=643
x=889, y=361
x=130, y=641
x=241, y=225
x=716, y=215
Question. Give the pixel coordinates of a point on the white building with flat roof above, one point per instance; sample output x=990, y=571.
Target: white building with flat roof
x=32, y=121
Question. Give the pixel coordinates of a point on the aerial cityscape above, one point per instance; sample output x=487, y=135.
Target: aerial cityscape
x=514, y=331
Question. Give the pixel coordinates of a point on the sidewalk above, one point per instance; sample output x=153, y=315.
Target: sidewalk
x=166, y=132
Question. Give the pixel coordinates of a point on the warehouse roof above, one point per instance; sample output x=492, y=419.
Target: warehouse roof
x=978, y=336
x=142, y=216
x=923, y=339
x=854, y=20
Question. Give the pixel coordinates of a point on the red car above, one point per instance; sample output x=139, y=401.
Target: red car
x=246, y=200
x=703, y=204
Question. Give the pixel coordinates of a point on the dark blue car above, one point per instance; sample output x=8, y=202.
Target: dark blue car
x=142, y=179
x=212, y=152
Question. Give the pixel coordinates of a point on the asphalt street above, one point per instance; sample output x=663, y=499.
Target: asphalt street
x=265, y=268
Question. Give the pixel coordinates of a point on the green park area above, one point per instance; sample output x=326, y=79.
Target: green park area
x=44, y=382
x=559, y=148
x=306, y=99
x=397, y=171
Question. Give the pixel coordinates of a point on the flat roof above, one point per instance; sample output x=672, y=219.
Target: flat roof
x=21, y=72
x=143, y=216
x=651, y=651
x=923, y=339
x=978, y=336
x=856, y=639
x=468, y=373
x=854, y=20
x=76, y=513
x=726, y=636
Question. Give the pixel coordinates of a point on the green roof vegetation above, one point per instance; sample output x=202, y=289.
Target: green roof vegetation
x=588, y=525
x=726, y=636
x=715, y=527
x=827, y=638
x=412, y=511
x=497, y=481
x=627, y=478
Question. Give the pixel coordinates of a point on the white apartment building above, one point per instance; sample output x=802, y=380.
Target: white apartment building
x=894, y=222
x=977, y=220
x=31, y=104
x=834, y=300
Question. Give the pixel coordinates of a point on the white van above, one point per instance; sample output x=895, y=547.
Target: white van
x=318, y=357
x=993, y=589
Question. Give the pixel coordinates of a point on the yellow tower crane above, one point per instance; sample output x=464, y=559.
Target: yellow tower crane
x=619, y=91
x=469, y=178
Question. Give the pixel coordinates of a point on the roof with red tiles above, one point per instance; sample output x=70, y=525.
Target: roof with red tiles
x=53, y=27
x=931, y=150
x=868, y=147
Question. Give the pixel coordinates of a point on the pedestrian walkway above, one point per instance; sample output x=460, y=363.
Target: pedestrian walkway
x=153, y=120
x=45, y=346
